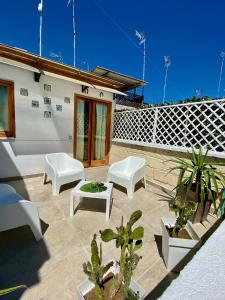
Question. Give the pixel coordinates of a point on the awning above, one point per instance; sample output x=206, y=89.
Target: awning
x=98, y=87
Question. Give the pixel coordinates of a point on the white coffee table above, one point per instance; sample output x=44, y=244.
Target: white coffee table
x=77, y=193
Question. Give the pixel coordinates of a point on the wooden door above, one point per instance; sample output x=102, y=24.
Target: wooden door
x=92, y=122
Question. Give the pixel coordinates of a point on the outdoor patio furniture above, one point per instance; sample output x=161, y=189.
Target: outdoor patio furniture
x=60, y=168
x=127, y=173
x=77, y=193
x=16, y=212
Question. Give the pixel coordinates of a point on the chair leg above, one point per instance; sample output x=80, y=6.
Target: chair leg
x=145, y=182
x=35, y=226
x=37, y=232
x=44, y=178
x=55, y=189
x=130, y=192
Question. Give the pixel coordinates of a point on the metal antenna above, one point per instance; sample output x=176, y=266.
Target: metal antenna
x=74, y=32
x=222, y=55
x=142, y=39
x=198, y=93
x=87, y=64
x=167, y=63
x=58, y=55
x=40, y=9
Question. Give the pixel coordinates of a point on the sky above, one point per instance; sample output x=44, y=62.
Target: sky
x=192, y=32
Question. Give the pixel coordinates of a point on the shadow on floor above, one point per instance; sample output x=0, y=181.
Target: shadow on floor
x=21, y=257
x=158, y=240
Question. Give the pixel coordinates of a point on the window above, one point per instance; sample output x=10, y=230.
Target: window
x=7, y=112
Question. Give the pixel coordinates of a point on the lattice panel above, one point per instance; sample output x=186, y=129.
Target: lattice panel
x=171, y=124
x=126, y=125
x=196, y=124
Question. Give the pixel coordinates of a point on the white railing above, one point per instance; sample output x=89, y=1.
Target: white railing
x=175, y=127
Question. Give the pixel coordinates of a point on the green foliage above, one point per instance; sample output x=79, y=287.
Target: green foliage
x=131, y=295
x=129, y=241
x=183, y=210
x=200, y=176
x=12, y=289
x=94, y=269
x=93, y=187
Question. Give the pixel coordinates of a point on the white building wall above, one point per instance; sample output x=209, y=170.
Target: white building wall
x=36, y=135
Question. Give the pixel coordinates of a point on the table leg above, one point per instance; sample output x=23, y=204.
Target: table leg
x=71, y=205
x=108, y=204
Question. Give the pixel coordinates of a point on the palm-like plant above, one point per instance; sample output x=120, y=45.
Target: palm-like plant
x=200, y=176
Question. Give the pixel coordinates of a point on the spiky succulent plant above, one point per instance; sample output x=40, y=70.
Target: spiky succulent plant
x=95, y=270
x=129, y=240
x=183, y=210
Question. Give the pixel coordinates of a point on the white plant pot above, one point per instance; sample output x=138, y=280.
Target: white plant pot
x=86, y=286
x=175, y=249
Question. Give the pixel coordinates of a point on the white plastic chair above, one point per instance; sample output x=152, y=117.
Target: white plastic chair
x=60, y=168
x=127, y=173
x=16, y=212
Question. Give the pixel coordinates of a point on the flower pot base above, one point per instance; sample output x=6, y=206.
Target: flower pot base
x=174, y=250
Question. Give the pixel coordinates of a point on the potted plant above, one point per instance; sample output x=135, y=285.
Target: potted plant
x=200, y=181
x=93, y=187
x=178, y=235
x=114, y=279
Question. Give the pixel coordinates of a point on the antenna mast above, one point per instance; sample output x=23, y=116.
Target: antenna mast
x=142, y=39
x=167, y=63
x=222, y=55
x=40, y=9
x=74, y=32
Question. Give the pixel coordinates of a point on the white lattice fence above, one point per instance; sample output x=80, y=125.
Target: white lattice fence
x=177, y=127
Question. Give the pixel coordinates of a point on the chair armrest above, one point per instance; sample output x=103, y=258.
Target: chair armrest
x=117, y=165
x=76, y=163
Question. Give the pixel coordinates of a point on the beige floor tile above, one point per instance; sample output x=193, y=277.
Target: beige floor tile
x=52, y=268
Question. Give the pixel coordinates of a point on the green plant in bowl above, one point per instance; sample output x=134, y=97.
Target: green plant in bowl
x=93, y=187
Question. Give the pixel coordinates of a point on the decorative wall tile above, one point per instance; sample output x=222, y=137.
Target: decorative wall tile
x=47, y=100
x=23, y=92
x=67, y=100
x=58, y=107
x=35, y=103
x=47, y=87
x=47, y=114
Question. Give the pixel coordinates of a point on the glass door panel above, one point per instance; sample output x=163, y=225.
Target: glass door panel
x=100, y=134
x=83, y=131
x=4, y=109
x=100, y=131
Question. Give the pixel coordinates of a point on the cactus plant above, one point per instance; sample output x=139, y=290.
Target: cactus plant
x=129, y=241
x=183, y=210
x=94, y=269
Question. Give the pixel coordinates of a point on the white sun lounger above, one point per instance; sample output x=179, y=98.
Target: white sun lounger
x=16, y=212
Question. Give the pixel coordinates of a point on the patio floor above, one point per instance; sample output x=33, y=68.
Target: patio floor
x=52, y=268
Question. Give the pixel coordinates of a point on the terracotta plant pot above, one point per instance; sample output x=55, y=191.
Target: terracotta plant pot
x=201, y=212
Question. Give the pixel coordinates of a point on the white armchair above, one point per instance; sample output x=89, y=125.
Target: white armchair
x=16, y=212
x=127, y=173
x=60, y=168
